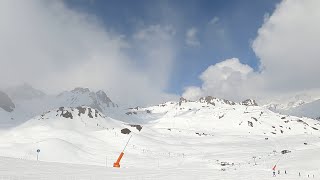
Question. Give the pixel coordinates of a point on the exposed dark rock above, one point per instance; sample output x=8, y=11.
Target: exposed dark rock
x=228, y=102
x=249, y=102
x=89, y=113
x=138, y=127
x=6, y=103
x=65, y=113
x=125, y=131
x=254, y=119
x=128, y=113
x=96, y=113
x=82, y=110
x=148, y=111
x=225, y=163
x=315, y=128
x=80, y=90
x=182, y=100
x=285, y=151
x=301, y=121
x=201, y=134
x=250, y=123
x=208, y=99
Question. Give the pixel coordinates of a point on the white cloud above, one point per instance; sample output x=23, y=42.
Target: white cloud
x=287, y=46
x=191, y=37
x=55, y=48
x=214, y=20
x=227, y=79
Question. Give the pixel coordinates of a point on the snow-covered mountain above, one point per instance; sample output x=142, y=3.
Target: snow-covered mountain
x=212, y=134
x=311, y=110
x=302, y=105
x=6, y=103
x=66, y=135
x=291, y=101
x=32, y=102
x=209, y=115
x=83, y=96
x=24, y=92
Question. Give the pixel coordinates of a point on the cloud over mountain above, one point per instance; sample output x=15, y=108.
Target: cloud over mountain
x=289, y=59
x=51, y=46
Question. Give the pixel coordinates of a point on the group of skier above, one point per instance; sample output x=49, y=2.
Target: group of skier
x=274, y=172
x=285, y=172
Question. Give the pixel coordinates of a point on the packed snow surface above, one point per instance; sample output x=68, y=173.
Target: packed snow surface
x=205, y=139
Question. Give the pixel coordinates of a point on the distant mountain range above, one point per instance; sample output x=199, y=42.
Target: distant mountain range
x=82, y=126
x=302, y=105
x=24, y=102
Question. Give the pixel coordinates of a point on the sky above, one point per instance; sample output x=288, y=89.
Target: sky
x=146, y=52
x=206, y=32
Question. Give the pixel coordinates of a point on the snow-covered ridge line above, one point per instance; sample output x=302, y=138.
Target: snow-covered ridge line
x=207, y=100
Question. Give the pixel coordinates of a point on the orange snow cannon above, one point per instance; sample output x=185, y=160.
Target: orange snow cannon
x=117, y=163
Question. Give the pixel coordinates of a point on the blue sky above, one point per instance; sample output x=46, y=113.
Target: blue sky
x=151, y=51
x=238, y=20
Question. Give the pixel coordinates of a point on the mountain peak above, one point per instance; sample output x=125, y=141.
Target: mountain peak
x=83, y=96
x=103, y=97
x=213, y=100
x=80, y=90
x=249, y=102
x=5, y=102
x=24, y=92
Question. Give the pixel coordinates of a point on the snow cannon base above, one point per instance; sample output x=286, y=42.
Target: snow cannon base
x=116, y=165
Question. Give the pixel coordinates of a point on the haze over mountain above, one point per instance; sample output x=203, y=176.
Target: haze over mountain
x=24, y=92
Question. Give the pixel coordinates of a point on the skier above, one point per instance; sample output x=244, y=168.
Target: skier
x=278, y=171
x=299, y=174
x=274, y=174
x=285, y=171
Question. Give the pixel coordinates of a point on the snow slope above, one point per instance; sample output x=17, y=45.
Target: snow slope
x=31, y=170
x=216, y=115
x=206, y=139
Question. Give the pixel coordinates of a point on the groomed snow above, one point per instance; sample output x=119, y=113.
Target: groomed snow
x=189, y=140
